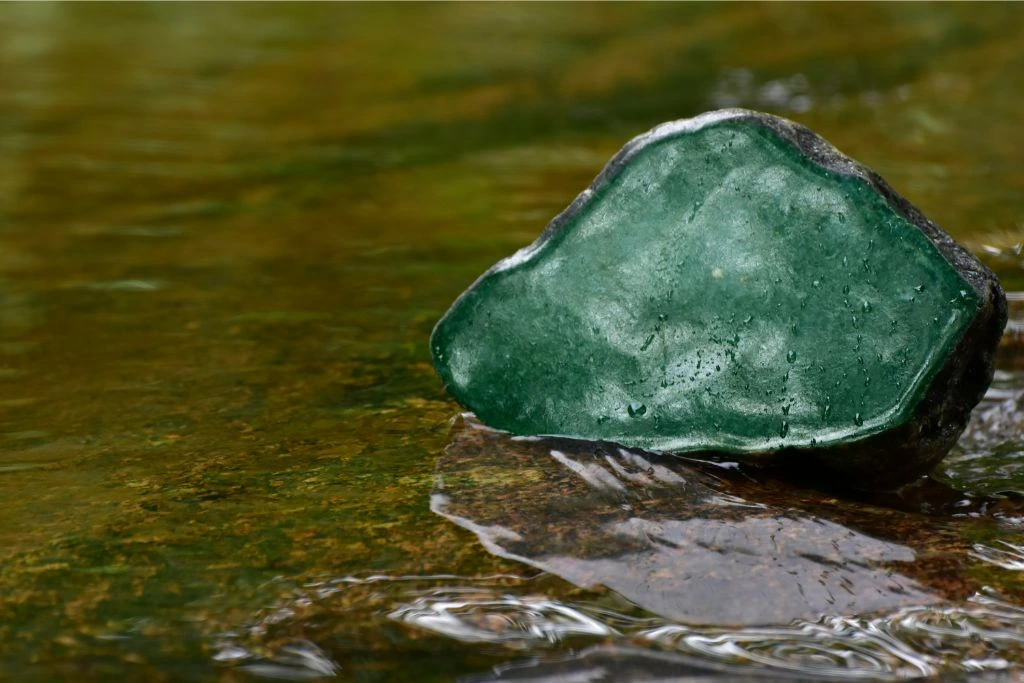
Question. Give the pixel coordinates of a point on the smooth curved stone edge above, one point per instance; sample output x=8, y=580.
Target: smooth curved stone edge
x=876, y=460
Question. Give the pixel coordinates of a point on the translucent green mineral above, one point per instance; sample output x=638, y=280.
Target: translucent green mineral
x=733, y=283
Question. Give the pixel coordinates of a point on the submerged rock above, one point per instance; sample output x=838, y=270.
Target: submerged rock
x=733, y=283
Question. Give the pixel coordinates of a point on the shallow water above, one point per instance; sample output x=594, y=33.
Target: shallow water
x=225, y=235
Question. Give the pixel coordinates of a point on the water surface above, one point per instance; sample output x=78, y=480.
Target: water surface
x=226, y=232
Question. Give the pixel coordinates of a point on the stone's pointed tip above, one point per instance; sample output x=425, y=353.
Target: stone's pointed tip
x=729, y=282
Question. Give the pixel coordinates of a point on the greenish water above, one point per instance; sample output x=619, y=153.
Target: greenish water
x=227, y=231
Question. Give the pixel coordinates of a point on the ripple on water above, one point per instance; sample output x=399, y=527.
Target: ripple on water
x=282, y=641
x=470, y=615
x=1006, y=555
x=981, y=634
x=984, y=633
x=125, y=285
x=296, y=661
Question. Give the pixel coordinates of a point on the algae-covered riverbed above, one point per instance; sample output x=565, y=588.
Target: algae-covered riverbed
x=226, y=232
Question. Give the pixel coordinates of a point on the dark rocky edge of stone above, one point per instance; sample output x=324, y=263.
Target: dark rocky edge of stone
x=894, y=456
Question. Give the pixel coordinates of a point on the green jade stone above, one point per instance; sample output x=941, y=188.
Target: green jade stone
x=716, y=289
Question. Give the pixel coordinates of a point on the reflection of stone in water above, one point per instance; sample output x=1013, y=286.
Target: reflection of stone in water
x=662, y=533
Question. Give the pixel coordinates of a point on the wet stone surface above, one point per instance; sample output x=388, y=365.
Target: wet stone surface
x=733, y=283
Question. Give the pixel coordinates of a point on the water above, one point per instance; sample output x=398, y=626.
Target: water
x=740, y=568
x=225, y=235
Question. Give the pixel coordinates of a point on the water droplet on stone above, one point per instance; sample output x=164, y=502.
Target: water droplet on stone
x=866, y=306
x=636, y=409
